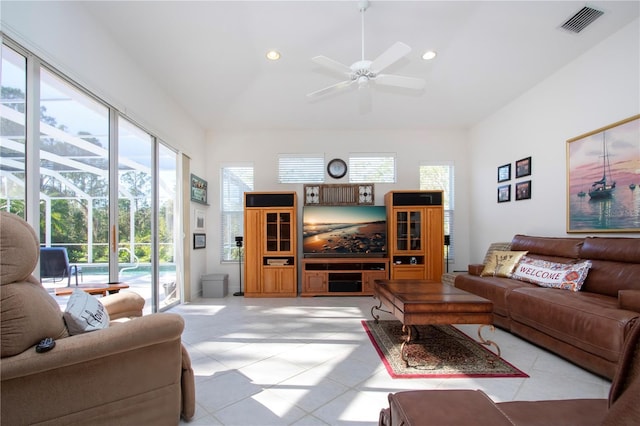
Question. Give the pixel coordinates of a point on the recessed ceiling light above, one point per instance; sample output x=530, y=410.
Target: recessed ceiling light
x=273, y=55
x=428, y=55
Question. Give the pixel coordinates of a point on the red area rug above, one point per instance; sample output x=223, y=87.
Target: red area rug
x=440, y=351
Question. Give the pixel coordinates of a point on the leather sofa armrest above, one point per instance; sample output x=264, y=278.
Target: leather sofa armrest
x=629, y=300
x=476, y=269
x=101, y=344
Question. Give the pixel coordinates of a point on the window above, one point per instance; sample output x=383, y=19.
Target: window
x=376, y=168
x=235, y=182
x=440, y=176
x=13, y=80
x=303, y=168
x=76, y=205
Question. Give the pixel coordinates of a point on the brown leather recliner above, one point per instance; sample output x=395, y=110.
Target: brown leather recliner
x=133, y=372
x=474, y=407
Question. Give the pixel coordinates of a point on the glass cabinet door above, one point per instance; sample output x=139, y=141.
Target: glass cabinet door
x=285, y=231
x=409, y=230
x=278, y=229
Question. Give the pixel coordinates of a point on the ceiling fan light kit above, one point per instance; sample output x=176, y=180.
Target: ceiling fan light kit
x=273, y=55
x=365, y=71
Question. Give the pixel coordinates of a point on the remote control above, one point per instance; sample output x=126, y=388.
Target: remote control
x=45, y=345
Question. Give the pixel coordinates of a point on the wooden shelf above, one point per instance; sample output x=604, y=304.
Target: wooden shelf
x=270, y=253
x=342, y=276
x=415, y=220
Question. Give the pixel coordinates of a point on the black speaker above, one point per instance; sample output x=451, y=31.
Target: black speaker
x=424, y=198
x=447, y=240
x=269, y=200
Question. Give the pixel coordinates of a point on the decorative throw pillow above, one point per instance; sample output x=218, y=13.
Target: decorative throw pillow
x=568, y=276
x=85, y=313
x=501, y=263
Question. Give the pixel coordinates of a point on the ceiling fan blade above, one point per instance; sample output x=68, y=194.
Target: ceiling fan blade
x=330, y=89
x=389, y=56
x=400, y=81
x=332, y=65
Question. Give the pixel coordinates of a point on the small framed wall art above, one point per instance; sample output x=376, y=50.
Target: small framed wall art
x=199, y=220
x=198, y=189
x=504, y=193
x=523, y=167
x=504, y=173
x=199, y=241
x=523, y=190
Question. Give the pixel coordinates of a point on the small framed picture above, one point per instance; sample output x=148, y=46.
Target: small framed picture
x=504, y=193
x=199, y=241
x=198, y=189
x=504, y=173
x=523, y=167
x=523, y=190
x=199, y=220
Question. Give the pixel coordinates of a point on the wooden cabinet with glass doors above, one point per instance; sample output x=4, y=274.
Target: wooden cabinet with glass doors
x=270, y=252
x=415, y=221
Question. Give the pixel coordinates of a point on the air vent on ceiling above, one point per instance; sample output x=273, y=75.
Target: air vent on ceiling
x=582, y=19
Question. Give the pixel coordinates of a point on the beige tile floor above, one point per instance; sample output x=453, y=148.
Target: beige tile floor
x=307, y=361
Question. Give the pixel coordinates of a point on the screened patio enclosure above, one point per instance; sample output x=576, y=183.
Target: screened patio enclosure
x=95, y=182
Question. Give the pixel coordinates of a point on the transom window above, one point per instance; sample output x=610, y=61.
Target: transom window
x=301, y=168
x=372, y=167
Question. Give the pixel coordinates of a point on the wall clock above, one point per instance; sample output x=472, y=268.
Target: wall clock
x=337, y=168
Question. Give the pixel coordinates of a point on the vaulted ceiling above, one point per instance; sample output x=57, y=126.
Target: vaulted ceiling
x=209, y=56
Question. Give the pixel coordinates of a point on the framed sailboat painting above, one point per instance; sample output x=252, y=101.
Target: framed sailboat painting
x=603, y=179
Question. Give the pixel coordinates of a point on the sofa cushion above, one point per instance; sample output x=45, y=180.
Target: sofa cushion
x=588, y=321
x=494, y=289
x=555, y=249
x=501, y=263
x=568, y=276
x=629, y=299
x=18, y=249
x=29, y=314
x=615, y=264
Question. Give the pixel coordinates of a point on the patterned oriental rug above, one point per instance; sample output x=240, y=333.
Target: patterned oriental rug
x=440, y=351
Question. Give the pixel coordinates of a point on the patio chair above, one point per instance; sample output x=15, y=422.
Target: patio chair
x=54, y=263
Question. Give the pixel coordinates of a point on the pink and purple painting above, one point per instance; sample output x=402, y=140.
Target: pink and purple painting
x=603, y=184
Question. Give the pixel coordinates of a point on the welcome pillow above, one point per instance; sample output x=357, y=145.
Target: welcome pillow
x=85, y=313
x=568, y=276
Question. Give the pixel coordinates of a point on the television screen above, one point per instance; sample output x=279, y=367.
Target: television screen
x=344, y=231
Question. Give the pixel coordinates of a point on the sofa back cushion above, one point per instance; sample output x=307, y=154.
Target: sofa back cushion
x=563, y=250
x=615, y=264
x=28, y=314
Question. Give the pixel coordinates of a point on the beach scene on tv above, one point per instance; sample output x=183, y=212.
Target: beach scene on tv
x=344, y=230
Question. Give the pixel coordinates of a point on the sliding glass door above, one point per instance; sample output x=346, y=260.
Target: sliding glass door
x=103, y=189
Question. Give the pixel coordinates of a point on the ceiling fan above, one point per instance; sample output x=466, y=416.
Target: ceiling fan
x=364, y=71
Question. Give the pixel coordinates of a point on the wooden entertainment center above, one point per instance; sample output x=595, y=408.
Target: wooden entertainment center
x=414, y=248
x=342, y=276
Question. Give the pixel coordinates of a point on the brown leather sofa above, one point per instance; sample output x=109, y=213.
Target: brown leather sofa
x=134, y=372
x=587, y=327
x=474, y=407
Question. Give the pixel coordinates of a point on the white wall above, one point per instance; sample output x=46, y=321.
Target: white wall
x=69, y=39
x=599, y=88
x=262, y=149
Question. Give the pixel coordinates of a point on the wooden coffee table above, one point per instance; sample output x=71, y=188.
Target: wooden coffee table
x=102, y=289
x=423, y=302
